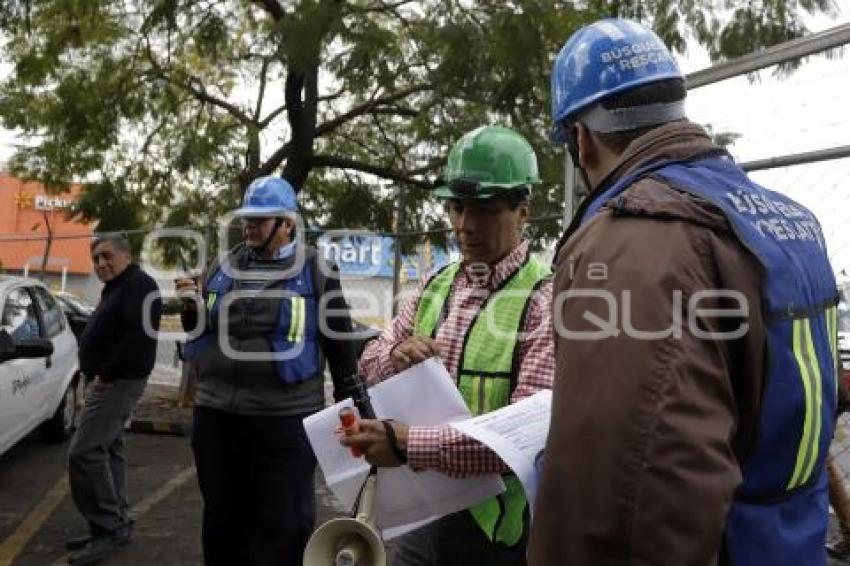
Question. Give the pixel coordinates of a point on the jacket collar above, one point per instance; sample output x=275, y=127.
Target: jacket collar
x=681, y=140
x=132, y=268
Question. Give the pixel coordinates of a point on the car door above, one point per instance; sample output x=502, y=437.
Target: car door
x=19, y=379
x=61, y=365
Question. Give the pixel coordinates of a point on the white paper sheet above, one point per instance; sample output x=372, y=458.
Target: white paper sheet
x=423, y=395
x=517, y=433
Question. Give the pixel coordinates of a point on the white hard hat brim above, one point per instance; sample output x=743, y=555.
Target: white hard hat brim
x=258, y=212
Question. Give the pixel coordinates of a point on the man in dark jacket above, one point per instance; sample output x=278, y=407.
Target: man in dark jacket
x=270, y=315
x=117, y=353
x=694, y=314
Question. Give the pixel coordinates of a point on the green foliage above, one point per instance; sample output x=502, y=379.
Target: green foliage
x=166, y=109
x=114, y=205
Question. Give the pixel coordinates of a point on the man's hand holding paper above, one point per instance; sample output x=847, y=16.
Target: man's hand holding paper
x=377, y=445
x=423, y=396
x=412, y=351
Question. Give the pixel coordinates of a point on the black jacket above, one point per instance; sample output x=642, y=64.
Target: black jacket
x=114, y=344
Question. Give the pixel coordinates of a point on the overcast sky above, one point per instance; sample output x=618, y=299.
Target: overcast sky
x=775, y=116
x=805, y=111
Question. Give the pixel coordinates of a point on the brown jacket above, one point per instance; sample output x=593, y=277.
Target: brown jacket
x=646, y=436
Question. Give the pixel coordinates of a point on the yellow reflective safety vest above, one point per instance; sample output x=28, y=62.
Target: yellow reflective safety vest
x=487, y=372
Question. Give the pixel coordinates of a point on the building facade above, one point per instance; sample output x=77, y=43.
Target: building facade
x=31, y=220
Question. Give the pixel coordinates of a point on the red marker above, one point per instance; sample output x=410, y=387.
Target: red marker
x=350, y=425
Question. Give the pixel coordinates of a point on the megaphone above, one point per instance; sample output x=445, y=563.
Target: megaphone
x=349, y=542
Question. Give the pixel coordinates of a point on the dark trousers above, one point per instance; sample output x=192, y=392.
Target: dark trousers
x=256, y=478
x=454, y=540
x=97, y=468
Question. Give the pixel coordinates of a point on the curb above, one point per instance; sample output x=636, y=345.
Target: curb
x=148, y=426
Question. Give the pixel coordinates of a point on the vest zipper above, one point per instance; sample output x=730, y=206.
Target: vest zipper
x=502, y=512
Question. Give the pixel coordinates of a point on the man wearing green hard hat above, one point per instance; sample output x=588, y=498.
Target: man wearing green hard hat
x=487, y=318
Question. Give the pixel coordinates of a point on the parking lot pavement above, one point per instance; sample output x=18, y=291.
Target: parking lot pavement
x=37, y=514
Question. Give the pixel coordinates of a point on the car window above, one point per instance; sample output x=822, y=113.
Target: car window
x=54, y=321
x=19, y=318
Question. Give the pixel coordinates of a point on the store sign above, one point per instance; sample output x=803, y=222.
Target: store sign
x=374, y=255
x=43, y=202
x=24, y=200
x=363, y=251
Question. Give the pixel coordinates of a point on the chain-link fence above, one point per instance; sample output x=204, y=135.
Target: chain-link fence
x=378, y=270
x=379, y=264
x=788, y=135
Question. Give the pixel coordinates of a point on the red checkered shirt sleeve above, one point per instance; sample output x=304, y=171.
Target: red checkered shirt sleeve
x=445, y=449
x=375, y=364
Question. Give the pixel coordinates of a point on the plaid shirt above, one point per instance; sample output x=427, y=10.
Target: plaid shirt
x=443, y=448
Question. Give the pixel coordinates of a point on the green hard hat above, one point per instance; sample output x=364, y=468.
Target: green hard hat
x=487, y=162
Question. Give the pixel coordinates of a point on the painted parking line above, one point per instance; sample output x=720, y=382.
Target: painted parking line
x=14, y=544
x=167, y=489
x=35, y=519
x=150, y=501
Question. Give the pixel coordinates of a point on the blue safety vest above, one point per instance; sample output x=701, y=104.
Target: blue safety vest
x=294, y=342
x=779, y=512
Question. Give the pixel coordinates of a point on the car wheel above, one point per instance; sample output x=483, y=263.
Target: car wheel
x=60, y=426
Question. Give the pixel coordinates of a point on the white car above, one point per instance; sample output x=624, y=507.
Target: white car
x=35, y=392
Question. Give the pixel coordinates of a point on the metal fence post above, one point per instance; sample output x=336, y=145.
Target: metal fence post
x=397, y=242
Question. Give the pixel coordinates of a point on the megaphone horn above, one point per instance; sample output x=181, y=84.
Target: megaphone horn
x=349, y=542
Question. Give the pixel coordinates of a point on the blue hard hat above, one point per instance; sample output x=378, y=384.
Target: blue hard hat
x=603, y=59
x=268, y=196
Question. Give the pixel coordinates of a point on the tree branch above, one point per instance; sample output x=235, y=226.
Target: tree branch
x=360, y=144
x=273, y=7
x=302, y=119
x=268, y=119
x=199, y=93
x=382, y=7
x=395, y=111
x=430, y=167
x=149, y=138
x=383, y=172
x=332, y=96
x=368, y=107
x=390, y=142
x=275, y=159
x=263, y=72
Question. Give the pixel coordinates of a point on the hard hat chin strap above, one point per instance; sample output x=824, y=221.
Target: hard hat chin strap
x=572, y=148
x=278, y=222
x=608, y=120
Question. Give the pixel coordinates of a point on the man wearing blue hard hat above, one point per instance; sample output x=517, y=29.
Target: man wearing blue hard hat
x=271, y=314
x=695, y=317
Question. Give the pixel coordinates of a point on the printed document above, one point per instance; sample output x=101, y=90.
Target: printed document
x=423, y=395
x=517, y=433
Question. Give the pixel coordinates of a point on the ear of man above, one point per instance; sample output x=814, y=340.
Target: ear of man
x=588, y=150
x=524, y=211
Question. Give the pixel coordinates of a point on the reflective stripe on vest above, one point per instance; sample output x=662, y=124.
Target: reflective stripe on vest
x=832, y=332
x=297, y=308
x=807, y=364
x=487, y=374
x=778, y=515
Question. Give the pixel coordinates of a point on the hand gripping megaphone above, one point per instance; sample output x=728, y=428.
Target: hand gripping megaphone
x=351, y=541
